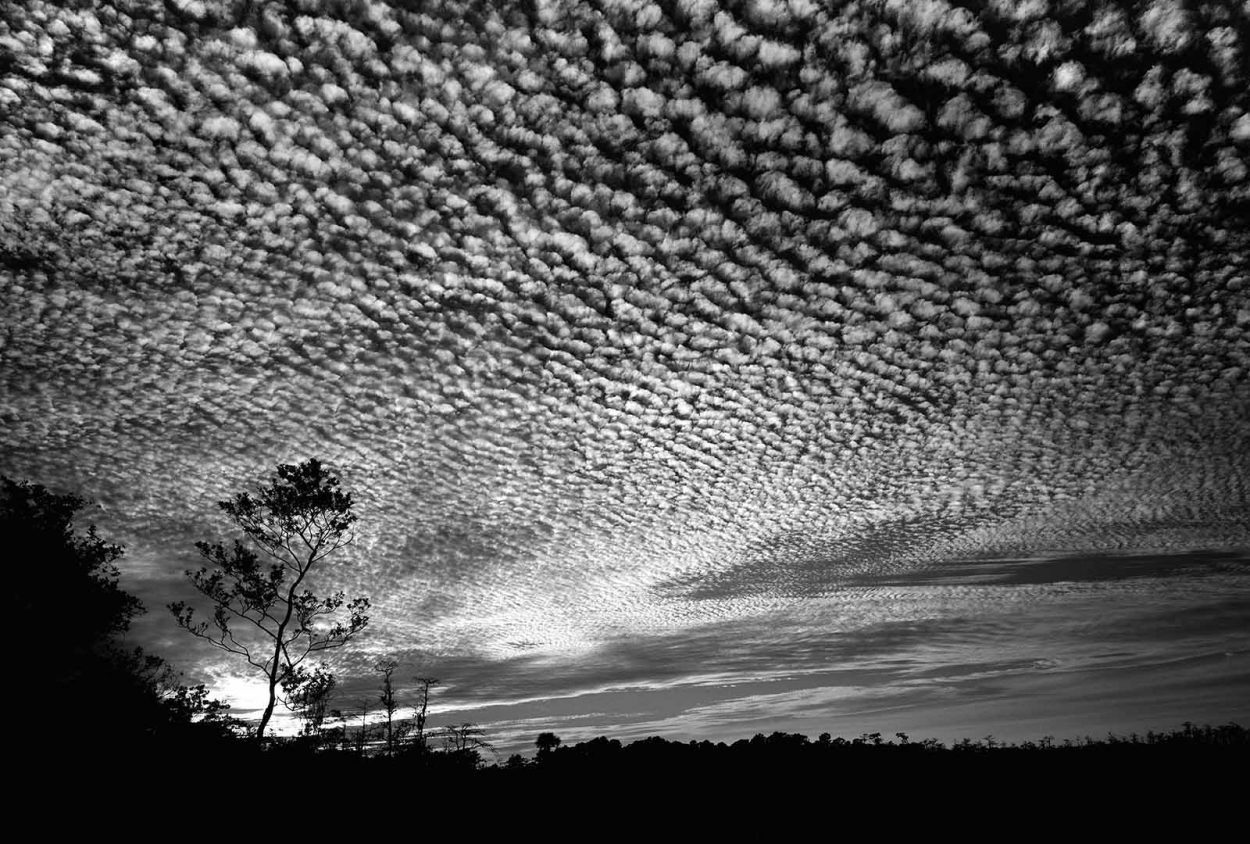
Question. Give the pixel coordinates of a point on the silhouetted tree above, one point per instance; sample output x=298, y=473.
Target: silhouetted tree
x=72, y=570
x=63, y=584
x=296, y=520
x=188, y=704
x=390, y=703
x=424, y=684
x=465, y=740
x=546, y=742
x=308, y=693
x=80, y=663
x=362, y=735
x=357, y=741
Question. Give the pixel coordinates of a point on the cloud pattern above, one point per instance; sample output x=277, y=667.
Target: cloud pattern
x=629, y=320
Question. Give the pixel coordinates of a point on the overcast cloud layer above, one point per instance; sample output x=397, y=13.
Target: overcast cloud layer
x=663, y=345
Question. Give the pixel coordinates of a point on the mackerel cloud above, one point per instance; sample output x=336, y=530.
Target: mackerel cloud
x=627, y=319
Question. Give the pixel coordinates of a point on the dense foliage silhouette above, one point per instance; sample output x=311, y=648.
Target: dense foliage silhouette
x=96, y=692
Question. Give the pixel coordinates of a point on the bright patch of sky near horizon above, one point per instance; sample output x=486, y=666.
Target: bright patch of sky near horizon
x=660, y=343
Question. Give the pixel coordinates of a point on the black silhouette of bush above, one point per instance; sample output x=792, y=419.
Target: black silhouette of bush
x=91, y=692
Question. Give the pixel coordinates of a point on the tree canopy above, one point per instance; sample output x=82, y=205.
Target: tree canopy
x=65, y=574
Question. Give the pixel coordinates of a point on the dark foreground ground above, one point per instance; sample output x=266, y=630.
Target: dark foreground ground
x=1187, y=780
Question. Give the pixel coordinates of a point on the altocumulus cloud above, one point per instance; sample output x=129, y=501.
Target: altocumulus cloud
x=638, y=327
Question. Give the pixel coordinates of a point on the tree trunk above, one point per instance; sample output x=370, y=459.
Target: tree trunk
x=269, y=707
x=302, y=569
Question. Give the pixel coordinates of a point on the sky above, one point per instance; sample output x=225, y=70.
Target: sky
x=697, y=370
